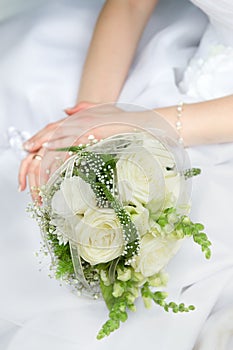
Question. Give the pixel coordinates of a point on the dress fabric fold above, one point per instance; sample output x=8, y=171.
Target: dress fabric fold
x=183, y=55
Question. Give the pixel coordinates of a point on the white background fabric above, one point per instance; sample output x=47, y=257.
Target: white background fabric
x=15, y=7
x=41, y=57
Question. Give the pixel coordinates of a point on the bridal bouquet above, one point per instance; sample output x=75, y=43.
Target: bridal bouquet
x=113, y=216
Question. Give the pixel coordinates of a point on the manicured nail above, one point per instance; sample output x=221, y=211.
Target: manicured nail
x=19, y=188
x=68, y=109
x=28, y=146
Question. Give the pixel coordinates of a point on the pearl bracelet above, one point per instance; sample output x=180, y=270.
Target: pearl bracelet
x=179, y=109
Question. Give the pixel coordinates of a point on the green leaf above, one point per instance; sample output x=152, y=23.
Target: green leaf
x=107, y=294
x=191, y=172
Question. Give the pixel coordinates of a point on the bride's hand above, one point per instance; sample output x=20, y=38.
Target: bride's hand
x=43, y=157
x=81, y=127
x=50, y=131
x=59, y=134
x=37, y=168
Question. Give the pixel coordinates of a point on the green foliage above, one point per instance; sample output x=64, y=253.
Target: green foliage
x=184, y=227
x=159, y=299
x=117, y=306
x=64, y=265
x=191, y=172
x=74, y=149
x=107, y=294
x=187, y=228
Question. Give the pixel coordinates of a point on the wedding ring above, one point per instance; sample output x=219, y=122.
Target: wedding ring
x=37, y=157
x=34, y=189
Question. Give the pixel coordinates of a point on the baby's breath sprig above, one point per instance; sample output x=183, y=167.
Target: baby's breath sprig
x=130, y=232
x=159, y=298
x=98, y=171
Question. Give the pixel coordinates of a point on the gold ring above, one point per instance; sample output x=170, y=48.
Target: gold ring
x=37, y=157
x=34, y=189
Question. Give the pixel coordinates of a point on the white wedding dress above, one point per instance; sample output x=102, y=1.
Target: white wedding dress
x=182, y=56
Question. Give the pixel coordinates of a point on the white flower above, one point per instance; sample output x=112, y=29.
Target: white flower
x=59, y=205
x=99, y=236
x=140, y=217
x=65, y=227
x=140, y=177
x=173, y=181
x=155, y=253
x=74, y=197
x=124, y=274
x=159, y=152
x=117, y=290
x=105, y=278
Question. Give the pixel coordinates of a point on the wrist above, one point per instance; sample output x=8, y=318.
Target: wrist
x=174, y=116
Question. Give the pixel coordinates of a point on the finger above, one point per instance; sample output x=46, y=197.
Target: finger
x=87, y=137
x=36, y=141
x=49, y=135
x=79, y=107
x=23, y=170
x=53, y=131
x=67, y=134
x=51, y=162
x=66, y=142
x=33, y=186
x=34, y=177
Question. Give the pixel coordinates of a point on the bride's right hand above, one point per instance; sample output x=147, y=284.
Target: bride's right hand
x=59, y=134
x=49, y=132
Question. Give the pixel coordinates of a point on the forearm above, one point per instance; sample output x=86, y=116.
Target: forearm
x=114, y=42
x=205, y=122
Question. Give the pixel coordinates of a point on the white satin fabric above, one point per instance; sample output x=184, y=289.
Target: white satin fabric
x=42, y=53
x=209, y=74
x=10, y=8
x=220, y=14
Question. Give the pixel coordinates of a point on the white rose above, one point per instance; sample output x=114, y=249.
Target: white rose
x=99, y=236
x=59, y=205
x=159, y=151
x=140, y=177
x=74, y=197
x=175, y=187
x=155, y=253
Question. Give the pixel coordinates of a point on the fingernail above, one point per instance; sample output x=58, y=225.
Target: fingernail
x=28, y=146
x=19, y=188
